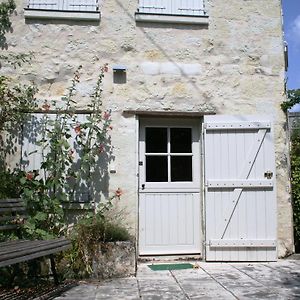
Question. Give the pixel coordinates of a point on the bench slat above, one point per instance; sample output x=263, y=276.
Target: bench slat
x=33, y=256
x=5, y=245
x=8, y=204
x=12, y=209
x=30, y=247
x=9, y=227
x=12, y=252
x=11, y=218
x=13, y=200
x=27, y=247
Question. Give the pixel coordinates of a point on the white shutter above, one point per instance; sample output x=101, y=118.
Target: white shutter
x=68, y=5
x=188, y=7
x=240, y=202
x=153, y=6
x=79, y=5
x=172, y=7
x=44, y=4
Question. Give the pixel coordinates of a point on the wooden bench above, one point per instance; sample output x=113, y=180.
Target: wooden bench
x=12, y=216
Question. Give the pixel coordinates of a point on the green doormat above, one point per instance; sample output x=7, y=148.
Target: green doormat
x=169, y=267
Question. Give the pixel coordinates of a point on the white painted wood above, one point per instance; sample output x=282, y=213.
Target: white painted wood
x=173, y=7
x=243, y=243
x=169, y=212
x=237, y=125
x=170, y=186
x=244, y=183
x=240, y=202
x=169, y=223
x=32, y=151
x=66, y=5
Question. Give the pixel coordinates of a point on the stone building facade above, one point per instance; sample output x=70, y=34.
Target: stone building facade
x=167, y=70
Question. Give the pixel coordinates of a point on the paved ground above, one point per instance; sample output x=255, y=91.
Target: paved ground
x=280, y=280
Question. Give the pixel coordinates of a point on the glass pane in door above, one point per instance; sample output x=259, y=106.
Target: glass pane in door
x=156, y=140
x=181, y=140
x=181, y=168
x=156, y=168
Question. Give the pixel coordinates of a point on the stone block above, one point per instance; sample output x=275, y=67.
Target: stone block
x=114, y=259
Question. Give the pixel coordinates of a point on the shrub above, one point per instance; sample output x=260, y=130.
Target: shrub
x=295, y=174
x=87, y=237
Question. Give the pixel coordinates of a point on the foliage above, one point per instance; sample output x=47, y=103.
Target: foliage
x=6, y=10
x=295, y=173
x=293, y=98
x=87, y=237
x=14, y=100
x=56, y=182
x=9, y=184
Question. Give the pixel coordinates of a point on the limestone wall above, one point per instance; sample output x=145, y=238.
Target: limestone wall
x=233, y=66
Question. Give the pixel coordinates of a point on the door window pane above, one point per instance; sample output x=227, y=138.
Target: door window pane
x=181, y=168
x=181, y=140
x=156, y=168
x=156, y=140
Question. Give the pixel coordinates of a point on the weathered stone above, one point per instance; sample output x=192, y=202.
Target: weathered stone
x=233, y=66
x=114, y=259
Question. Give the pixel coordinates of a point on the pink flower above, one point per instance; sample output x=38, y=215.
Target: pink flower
x=29, y=176
x=118, y=193
x=106, y=115
x=71, y=153
x=77, y=129
x=105, y=68
x=46, y=106
x=101, y=148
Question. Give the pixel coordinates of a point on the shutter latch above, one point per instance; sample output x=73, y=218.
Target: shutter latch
x=268, y=174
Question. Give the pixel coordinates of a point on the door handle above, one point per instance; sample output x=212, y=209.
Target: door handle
x=143, y=186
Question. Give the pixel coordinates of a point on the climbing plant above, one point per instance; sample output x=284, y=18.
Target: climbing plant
x=294, y=98
x=6, y=10
x=295, y=176
x=66, y=161
x=15, y=97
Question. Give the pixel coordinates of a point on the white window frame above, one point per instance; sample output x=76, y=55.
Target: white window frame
x=61, y=11
x=162, y=14
x=175, y=185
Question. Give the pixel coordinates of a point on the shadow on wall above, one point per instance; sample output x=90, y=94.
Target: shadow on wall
x=83, y=185
x=10, y=144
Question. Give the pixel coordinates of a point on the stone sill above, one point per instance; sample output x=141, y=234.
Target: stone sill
x=60, y=15
x=160, y=18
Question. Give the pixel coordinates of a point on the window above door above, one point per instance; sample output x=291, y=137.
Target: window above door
x=173, y=11
x=63, y=9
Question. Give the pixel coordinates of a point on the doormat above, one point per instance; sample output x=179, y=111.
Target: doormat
x=170, y=267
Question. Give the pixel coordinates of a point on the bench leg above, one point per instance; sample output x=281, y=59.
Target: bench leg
x=53, y=270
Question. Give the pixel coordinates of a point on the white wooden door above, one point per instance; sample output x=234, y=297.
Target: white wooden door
x=240, y=201
x=169, y=187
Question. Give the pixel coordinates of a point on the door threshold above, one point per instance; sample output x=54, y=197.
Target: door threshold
x=168, y=258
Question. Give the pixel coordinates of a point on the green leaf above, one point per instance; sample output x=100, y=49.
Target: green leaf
x=41, y=216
